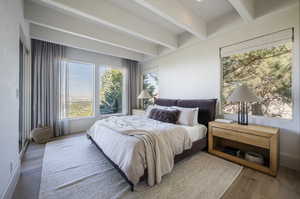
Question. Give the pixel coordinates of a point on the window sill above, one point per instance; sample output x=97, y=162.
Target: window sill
x=109, y=115
x=95, y=117
x=79, y=118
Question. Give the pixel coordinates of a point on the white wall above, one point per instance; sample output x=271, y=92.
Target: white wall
x=11, y=15
x=194, y=72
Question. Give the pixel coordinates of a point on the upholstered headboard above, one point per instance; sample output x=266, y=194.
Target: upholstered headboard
x=207, y=107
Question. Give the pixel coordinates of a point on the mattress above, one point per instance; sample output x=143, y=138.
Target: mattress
x=196, y=132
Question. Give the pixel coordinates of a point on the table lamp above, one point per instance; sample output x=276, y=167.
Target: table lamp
x=243, y=95
x=144, y=95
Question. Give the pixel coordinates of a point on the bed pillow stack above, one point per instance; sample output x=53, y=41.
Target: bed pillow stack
x=187, y=116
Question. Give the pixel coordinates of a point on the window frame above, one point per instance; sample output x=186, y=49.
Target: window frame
x=221, y=107
x=67, y=65
x=96, y=89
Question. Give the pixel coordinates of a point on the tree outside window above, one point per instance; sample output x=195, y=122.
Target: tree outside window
x=268, y=72
x=111, y=87
x=150, y=83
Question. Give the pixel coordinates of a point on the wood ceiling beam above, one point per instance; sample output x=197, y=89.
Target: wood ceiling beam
x=58, y=37
x=245, y=8
x=54, y=19
x=106, y=13
x=174, y=12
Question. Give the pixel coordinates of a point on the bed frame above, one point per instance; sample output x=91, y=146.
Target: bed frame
x=207, y=112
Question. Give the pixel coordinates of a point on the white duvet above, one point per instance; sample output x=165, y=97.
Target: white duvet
x=137, y=143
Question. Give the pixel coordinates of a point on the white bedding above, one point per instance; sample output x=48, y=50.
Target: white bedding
x=152, y=145
x=196, y=132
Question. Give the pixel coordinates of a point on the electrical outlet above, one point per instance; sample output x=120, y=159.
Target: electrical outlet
x=11, y=167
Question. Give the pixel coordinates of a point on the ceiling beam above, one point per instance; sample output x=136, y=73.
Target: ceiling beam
x=245, y=8
x=54, y=19
x=54, y=36
x=106, y=13
x=174, y=12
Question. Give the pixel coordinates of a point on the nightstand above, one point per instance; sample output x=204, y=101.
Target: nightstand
x=262, y=140
x=138, y=112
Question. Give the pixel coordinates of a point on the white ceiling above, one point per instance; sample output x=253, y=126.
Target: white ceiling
x=146, y=14
x=139, y=29
x=209, y=10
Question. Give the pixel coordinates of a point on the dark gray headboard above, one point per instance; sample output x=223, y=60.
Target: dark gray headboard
x=207, y=107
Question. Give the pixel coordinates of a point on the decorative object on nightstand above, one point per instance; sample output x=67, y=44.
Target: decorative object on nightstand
x=253, y=146
x=243, y=95
x=144, y=95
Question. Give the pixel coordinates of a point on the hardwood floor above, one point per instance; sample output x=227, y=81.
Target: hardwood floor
x=249, y=185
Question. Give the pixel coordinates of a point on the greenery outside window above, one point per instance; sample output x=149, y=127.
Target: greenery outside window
x=267, y=70
x=111, y=90
x=150, y=83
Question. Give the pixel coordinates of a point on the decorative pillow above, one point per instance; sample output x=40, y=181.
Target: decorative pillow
x=150, y=107
x=187, y=116
x=169, y=116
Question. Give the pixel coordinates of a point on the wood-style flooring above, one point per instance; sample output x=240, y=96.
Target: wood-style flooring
x=249, y=185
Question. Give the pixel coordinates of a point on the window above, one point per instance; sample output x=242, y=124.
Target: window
x=150, y=83
x=111, y=90
x=88, y=91
x=267, y=70
x=79, y=90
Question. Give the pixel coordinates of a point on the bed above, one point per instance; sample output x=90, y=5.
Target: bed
x=128, y=153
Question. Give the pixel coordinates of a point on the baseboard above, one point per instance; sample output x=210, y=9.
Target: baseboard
x=290, y=161
x=13, y=182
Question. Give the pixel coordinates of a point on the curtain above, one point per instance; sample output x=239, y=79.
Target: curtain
x=47, y=61
x=133, y=69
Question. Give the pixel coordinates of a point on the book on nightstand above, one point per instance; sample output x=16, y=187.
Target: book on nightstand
x=224, y=121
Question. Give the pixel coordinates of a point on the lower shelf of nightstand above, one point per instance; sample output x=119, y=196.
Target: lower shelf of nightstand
x=243, y=162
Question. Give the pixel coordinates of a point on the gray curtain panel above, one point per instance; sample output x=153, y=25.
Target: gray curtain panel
x=133, y=82
x=46, y=64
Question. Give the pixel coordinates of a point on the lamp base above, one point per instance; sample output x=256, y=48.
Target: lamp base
x=243, y=113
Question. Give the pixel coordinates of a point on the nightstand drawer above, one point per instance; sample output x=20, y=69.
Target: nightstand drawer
x=241, y=137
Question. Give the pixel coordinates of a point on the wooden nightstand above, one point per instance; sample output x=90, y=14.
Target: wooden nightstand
x=259, y=139
x=138, y=112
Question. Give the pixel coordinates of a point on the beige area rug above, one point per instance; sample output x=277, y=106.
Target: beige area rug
x=73, y=168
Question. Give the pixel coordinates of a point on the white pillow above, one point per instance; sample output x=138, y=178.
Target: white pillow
x=150, y=107
x=187, y=116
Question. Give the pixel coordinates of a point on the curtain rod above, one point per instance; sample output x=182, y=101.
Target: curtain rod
x=261, y=37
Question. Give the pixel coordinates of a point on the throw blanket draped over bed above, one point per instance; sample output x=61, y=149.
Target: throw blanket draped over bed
x=162, y=142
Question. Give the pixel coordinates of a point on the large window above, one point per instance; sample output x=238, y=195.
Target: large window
x=267, y=70
x=79, y=90
x=89, y=91
x=150, y=83
x=111, y=90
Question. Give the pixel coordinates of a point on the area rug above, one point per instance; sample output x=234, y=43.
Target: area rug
x=74, y=168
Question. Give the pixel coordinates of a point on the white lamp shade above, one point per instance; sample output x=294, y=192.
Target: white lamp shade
x=242, y=94
x=144, y=95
